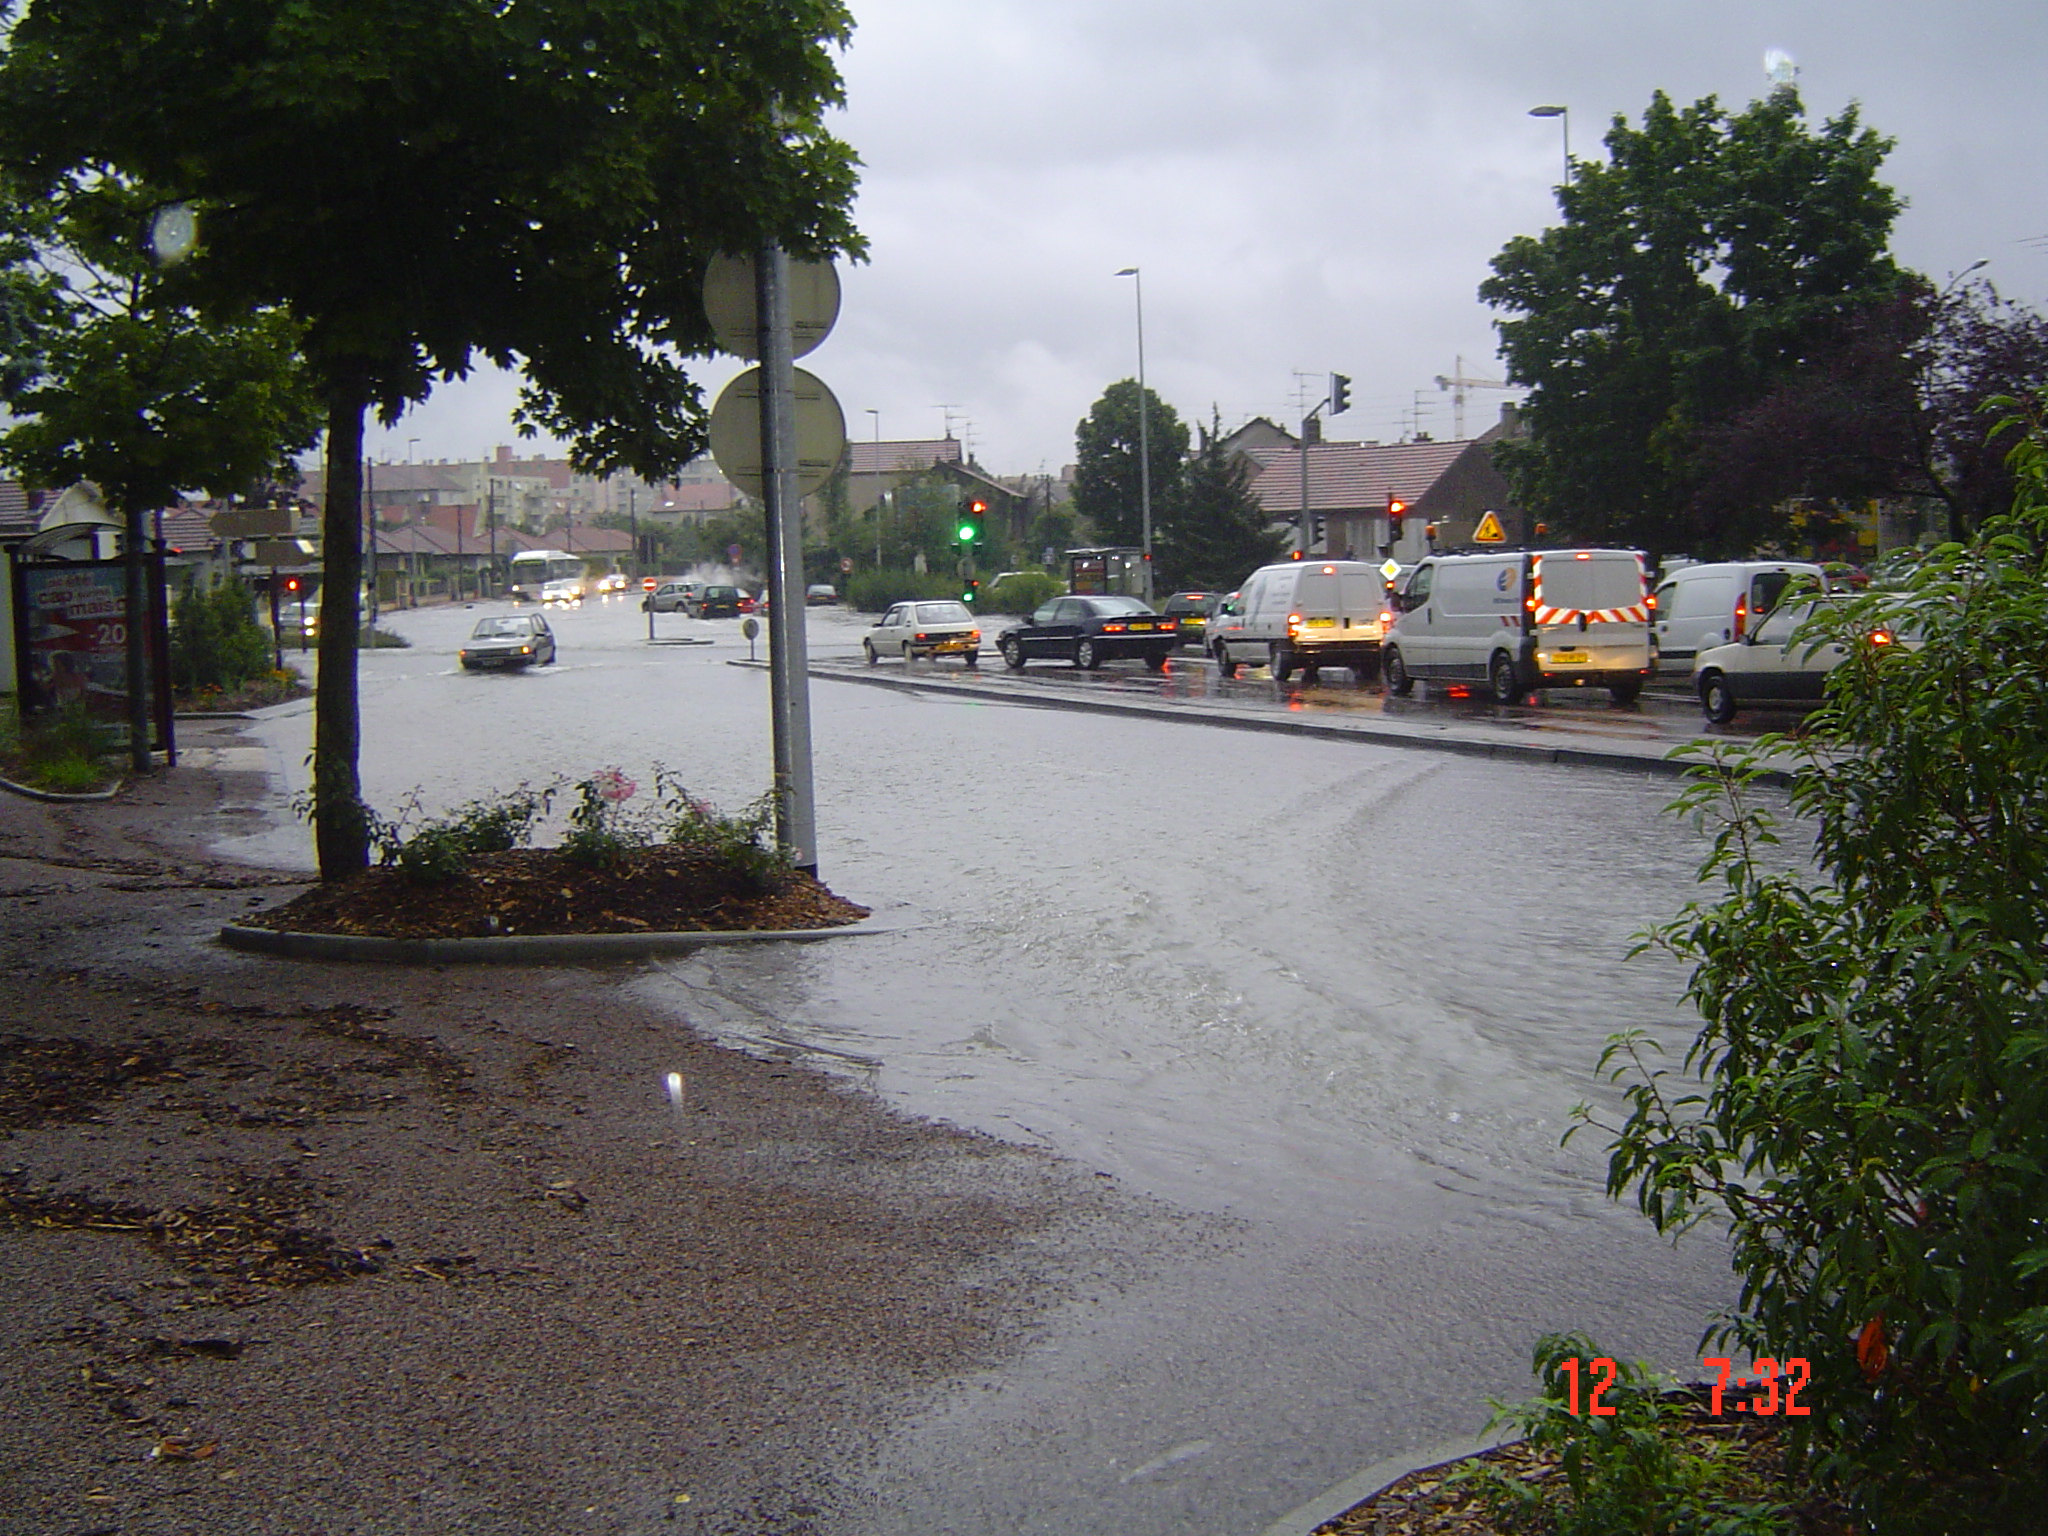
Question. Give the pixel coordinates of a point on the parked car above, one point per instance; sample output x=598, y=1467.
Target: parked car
x=820, y=593
x=1305, y=613
x=925, y=628
x=508, y=640
x=1518, y=621
x=1697, y=607
x=714, y=601
x=567, y=593
x=671, y=596
x=1768, y=668
x=1091, y=630
x=1192, y=610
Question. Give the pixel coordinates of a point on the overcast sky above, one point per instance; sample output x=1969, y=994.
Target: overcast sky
x=1307, y=186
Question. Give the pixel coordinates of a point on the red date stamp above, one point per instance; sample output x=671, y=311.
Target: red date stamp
x=1777, y=1388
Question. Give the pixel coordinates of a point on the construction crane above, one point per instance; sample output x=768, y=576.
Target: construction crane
x=1457, y=383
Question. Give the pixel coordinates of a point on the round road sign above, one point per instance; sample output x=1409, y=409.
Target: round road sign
x=729, y=302
x=736, y=432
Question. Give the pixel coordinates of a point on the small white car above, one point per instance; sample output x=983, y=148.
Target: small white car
x=562, y=594
x=926, y=627
x=1768, y=669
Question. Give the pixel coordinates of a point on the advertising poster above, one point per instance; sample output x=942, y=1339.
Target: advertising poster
x=73, y=641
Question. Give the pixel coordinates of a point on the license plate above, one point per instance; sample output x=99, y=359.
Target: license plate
x=1569, y=658
x=1141, y=626
x=1322, y=623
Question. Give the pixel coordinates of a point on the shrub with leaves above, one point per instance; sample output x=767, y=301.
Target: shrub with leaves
x=1866, y=1106
x=743, y=843
x=215, y=639
x=1632, y=1472
x=441, y=849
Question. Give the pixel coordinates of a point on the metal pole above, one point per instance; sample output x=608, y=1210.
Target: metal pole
x=633, y=517
x=788, y=669
x=137, y=640
x=491, y=514
x=1144, y=430
x=370, y=506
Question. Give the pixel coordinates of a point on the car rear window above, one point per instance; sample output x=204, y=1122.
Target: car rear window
x=1599, y=581
x=943, y=613
x=1107, y=606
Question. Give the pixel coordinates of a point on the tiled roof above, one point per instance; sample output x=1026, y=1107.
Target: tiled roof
x=185, y=528
x=17, y=517
x=1350, y=476
x=901, y=458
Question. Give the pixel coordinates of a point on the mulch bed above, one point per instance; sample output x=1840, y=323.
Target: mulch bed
x=540, y=891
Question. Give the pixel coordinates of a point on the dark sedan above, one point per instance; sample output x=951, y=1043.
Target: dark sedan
x=1192, y=610
x=1091, y=630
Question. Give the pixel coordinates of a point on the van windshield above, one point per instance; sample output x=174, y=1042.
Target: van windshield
x=1599, y=581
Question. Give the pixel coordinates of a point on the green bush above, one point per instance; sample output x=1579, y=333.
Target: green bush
x=215, y=639
x=1870, y=1111
x=441, y=850
x=1023, y=592
x=874, y=591
x=1627, y=1472
x=61, y=750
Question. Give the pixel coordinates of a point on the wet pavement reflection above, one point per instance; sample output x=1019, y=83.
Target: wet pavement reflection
x=1334, y=1000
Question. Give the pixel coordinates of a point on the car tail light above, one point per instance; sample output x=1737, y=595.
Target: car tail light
x=1112, y=629
x=1880, y=637
x=1741, y=617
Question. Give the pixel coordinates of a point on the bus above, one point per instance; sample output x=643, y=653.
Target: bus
x=533, y=569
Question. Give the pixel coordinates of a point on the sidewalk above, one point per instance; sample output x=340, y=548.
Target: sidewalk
x=289, y=1248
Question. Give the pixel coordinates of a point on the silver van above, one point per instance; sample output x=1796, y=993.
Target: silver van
x=1523, y=620
x=1698, y=607
x=1303, y=613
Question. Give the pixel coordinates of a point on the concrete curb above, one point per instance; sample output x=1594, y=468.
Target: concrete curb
x=58, y=797
x=1377, y=1478
x=522, y=949
x=1568, y=756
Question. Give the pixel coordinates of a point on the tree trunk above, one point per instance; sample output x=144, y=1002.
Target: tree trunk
x=341, y=826
x=133, y=538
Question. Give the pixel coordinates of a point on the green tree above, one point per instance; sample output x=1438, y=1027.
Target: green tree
x=125, y=384
x=1107, y=484
x=1689, y=275
x=1219, y=533
x=1872, y=1117
x=423, y=183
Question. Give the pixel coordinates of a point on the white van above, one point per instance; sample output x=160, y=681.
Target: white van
x=1518, y=621
x=1698, y=607
x=1303, y=613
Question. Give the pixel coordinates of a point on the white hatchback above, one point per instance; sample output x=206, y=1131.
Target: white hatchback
x=927, y=627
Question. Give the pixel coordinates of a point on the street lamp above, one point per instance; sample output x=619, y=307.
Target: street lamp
x=1144, y=431
x=1564, y=120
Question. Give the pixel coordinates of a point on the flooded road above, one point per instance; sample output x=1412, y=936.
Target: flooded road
x=1332, y=1000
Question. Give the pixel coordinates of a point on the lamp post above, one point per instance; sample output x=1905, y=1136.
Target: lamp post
x=1144, y=431
x=1564, y=121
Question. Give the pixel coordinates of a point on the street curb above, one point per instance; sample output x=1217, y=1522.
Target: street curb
x=1375, y=1479
x=517, y=949
x=58, y=797
x=1577, y=756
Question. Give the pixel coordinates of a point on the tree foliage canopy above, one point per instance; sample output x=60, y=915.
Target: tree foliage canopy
x=420, y=183
x=120, y=383
x=1872, y=1115
x=1107, y=483
x=1690, y=273
x=1889, y=405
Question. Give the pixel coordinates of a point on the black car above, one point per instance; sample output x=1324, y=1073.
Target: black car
x=1192, y=610
x=1091, y=630
x=714, y=602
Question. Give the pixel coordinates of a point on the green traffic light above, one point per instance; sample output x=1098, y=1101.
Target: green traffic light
x=967, y=532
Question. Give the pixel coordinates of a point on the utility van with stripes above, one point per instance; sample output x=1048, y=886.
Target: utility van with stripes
x=1522, y=620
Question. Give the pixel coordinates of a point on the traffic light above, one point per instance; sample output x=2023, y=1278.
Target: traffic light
x=970, y=591
x=1396, y=507
x=291, y=583
x=1315, y=529
x=971, y=521
x=1340, y=394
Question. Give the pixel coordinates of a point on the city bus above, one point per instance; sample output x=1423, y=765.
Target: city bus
x=533, y=569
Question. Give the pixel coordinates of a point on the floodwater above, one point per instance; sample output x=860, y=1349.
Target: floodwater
x=1332, y=1001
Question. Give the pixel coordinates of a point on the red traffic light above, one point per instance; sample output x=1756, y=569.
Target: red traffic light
x=291, y=583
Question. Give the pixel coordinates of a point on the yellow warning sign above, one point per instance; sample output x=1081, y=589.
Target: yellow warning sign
x=1489, y=531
